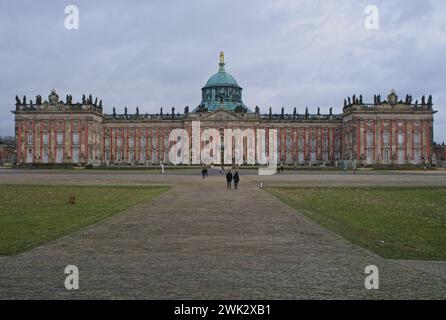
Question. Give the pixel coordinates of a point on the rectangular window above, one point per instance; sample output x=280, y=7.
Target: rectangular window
x=45, y=138
x=401, y=156
x=400, y=138
x=45, y=155
x=417, y=156
x=369, y=156
x=386, y=156
x=288, y=157
x=143, y=142
x=325, y=155
x=75, y=137
x=416, y=139
x=75, y=155
x=30, y=156
x=313, y=156
x=107, y=142
x=369, y=139
x=301, y=157
x=119, y=142
x=59, y=155
x=385, y=138
x=131, y=142
x=59, y=137
x=30, y=138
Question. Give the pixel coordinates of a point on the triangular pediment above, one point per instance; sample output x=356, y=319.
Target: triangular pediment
x=221, y=115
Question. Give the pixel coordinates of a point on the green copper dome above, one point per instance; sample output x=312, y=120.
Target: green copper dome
x=221, y=92
x=222, y=78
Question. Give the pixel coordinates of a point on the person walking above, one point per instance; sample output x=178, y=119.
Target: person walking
x=229, y=180
x=236, y=180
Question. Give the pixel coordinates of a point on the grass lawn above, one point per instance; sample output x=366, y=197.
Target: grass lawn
x=31, y=215
x=394, y=222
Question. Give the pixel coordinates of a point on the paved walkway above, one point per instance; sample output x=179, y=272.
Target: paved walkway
x=200, y=241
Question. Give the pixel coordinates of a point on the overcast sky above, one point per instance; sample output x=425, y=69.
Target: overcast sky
x=287, y=53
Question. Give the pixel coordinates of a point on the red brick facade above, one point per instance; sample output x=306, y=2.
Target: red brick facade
x=386, y=133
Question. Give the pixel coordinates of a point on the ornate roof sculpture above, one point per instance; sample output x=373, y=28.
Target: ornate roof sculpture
x=55, y=104
x=392, y=103
x=221, y=92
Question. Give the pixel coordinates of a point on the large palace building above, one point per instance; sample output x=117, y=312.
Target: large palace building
x=389, y=131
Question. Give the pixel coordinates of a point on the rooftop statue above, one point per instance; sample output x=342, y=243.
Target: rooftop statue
x=53, y=97
x=392, y=98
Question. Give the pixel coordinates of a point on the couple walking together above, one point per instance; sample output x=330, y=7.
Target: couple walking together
x=230, y=177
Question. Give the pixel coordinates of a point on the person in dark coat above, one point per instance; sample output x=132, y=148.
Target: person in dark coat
x=236, y=180
x=229, y=180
